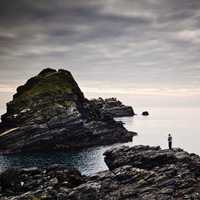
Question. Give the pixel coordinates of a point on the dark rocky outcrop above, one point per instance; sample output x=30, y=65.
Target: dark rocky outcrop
x=139, y=173
x=113, y=107
x=153, y=173
x=50, y=112
x=34, y=183
x=145, y=113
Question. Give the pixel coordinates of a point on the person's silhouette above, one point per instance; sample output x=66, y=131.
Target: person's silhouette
x=170, y=141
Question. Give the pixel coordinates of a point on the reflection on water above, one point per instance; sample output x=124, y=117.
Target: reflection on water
x=182, y=123
x=87, y=161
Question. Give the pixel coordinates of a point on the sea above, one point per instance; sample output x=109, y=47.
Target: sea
x=178, y=116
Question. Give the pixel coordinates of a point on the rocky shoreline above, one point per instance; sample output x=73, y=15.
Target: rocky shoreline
x=139, y=173
x=50, y=112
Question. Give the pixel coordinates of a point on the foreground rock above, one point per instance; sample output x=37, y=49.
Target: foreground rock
x=113, y=107
x=139, y=173
x=50, y=112
x=153, y=173
x=53, y=182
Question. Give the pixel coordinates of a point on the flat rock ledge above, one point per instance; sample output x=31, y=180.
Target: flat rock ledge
x=139, y=173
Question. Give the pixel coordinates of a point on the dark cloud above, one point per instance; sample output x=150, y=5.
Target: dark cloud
x=146, y=42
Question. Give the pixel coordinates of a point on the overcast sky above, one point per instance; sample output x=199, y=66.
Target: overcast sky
x=119, y=46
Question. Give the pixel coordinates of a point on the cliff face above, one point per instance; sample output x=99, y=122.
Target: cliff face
x=50, y=112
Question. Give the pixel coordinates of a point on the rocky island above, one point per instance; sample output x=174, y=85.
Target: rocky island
x=139, y=173
x=50, y=112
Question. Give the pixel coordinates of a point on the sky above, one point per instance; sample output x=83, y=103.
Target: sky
x=135, y=47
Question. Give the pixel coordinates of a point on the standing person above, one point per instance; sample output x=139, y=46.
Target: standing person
x=170, y=141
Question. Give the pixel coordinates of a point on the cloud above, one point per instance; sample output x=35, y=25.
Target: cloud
x=189, y=35
x=146, y=43
x=7, y=88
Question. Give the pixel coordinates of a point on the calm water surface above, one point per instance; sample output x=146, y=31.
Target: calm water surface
x=182, y=123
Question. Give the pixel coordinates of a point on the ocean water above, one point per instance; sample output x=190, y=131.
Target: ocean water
x=182, y=122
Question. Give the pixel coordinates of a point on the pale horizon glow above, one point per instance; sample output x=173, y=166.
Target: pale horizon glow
x=129, y=91
x=146, y=91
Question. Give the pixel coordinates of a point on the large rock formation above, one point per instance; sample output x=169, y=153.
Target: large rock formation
x=113, y=107
x=139, y=173
x=152, y=173
x=50, y=112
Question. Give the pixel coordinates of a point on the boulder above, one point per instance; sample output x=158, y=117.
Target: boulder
x=145, y=113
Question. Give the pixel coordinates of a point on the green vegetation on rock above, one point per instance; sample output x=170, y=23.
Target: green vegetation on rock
x=67, y=103
x=51, y=83
x=46, y=90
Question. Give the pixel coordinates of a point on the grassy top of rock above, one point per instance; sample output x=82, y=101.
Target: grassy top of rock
x=48, y=81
